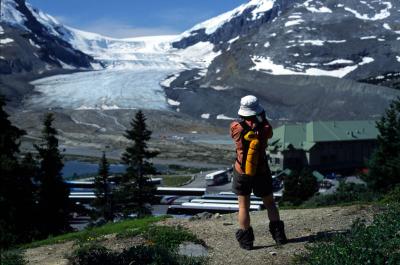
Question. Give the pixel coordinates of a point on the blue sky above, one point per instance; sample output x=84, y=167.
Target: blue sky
x=129, y=18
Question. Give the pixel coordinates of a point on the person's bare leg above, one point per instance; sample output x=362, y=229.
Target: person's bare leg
x=244, y=216
x=269, y=203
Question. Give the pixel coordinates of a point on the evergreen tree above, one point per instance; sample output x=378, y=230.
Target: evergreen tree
x=9, y=135
x=53, y=192
x=299, y=187
x=104, y=200
x=384, y=165
x=16, y=189
x=136, y=192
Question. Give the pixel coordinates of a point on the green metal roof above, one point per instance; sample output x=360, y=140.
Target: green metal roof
x=306, y=135
x=318, y=176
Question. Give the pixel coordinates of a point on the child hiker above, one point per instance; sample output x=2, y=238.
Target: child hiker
x=251, y=171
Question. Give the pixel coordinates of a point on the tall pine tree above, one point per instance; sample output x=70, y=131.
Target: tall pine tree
x=16, y=189
x=104, y=200
x=136, y=192
x=384, y=165
x=53, y=192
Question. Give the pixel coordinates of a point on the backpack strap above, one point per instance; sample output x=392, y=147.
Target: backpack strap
x=245, y=144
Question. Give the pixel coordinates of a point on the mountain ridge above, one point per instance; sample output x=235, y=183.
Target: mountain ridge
x=302, y=47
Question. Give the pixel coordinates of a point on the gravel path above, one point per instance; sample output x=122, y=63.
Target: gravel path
x=302, y=226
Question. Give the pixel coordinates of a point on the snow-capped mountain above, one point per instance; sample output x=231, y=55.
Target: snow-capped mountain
x=34, y=43
x=305, y=59
x=308, y=37
x=34, y=37
x=230, y=25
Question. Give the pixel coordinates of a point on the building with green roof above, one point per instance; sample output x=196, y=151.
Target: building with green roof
x=326, y=146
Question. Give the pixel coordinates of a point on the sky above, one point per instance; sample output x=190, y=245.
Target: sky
x=131, y=18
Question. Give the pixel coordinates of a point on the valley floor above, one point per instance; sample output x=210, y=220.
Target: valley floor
x=180, y=139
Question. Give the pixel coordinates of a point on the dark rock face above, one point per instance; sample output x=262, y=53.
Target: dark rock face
x=52, y=48
x=305, y=60
x=33, y=52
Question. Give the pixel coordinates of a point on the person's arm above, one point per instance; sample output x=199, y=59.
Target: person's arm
x=235, y=131
x=268, y=129
x=266, y=125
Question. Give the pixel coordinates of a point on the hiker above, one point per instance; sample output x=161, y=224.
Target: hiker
x=251, y=172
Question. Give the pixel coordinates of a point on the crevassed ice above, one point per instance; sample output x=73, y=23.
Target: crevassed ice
x=134, y=69
x=124, y=89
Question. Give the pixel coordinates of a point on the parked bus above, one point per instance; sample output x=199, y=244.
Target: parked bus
x=216, y=178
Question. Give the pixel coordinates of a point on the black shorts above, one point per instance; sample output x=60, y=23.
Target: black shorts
x=260, y=185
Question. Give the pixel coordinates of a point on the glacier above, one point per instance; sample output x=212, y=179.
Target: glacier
x=134, y=69
x=128, y=73
x=104, y=89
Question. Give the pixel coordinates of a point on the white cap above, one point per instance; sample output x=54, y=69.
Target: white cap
x=249, y=106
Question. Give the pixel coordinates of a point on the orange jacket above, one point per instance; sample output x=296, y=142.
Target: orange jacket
x=263, y=135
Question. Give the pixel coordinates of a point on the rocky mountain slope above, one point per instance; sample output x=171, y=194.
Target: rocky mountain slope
x=305, y=60
x=30, y=47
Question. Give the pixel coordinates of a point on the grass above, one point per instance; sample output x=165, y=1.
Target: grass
x=175, y=181
x=135, y=226
x=12, y=258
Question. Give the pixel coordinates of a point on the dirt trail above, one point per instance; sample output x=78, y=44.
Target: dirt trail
x=302, y=226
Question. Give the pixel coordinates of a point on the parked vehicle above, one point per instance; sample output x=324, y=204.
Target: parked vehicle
x=216, y=178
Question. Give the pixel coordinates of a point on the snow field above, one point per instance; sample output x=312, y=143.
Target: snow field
x=266, y=64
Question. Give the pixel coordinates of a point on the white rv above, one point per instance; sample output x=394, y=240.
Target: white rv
x=216, y=178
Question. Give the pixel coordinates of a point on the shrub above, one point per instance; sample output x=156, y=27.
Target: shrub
x=375, y=244
x=12, y=258
x=393, y=196
x=346, y=193
x=92, y=254
x=169, y=237
x=143, y=255
x=299, y=187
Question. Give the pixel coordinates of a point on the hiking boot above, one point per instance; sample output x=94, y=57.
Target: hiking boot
x=245, y=238
x=277, y=229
